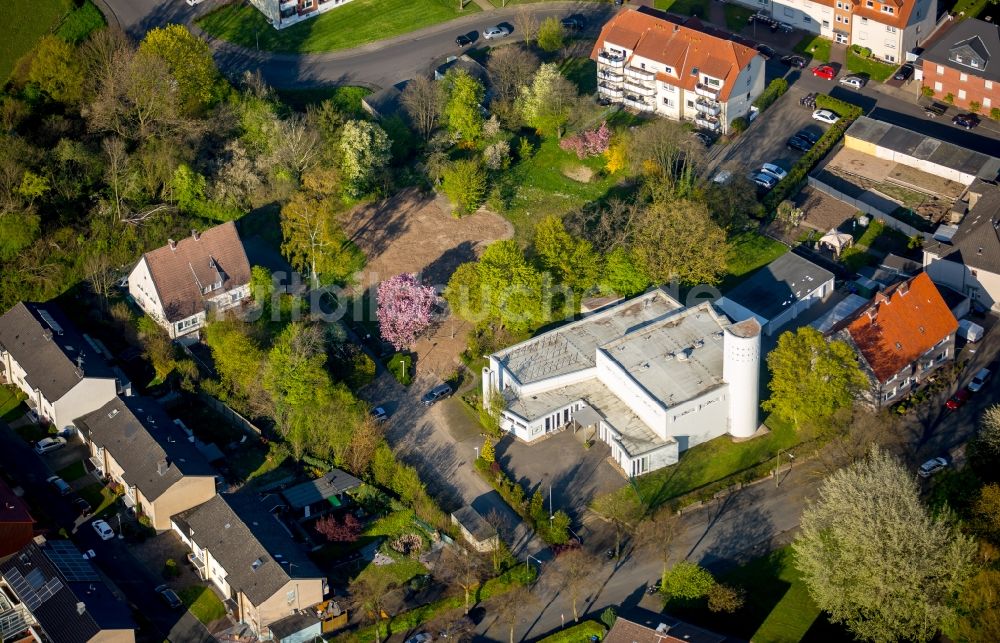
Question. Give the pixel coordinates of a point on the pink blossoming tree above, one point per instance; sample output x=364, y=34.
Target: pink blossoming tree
x=404, y=309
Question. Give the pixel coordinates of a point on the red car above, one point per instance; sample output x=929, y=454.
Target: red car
x=957, y=400
x=824, y=71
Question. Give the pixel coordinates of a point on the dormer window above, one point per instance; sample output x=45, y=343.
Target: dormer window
x=887, y=9
x=669, y=70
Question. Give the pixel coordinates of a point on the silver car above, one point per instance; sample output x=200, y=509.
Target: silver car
x=489, y=33
x=854, y=82
x=931, y=467
x=45, y=445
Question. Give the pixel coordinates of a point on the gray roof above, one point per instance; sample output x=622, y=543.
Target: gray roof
x=331, y=484
x=254, y=548
x=925, y=148
x=153, y=452
x=474, y=523
x=292, y=624
x=49, y=348
x=970, y=39
x=778, y=285
x=54, y=596
x=977, y=242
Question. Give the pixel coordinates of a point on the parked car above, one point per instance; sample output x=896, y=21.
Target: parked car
x=574, y=23
x=722, y=177
x=796, y=62
x=968, y=121
x=785, y=27
x=931, y=467
x=46, y=445
x=422, y=637
x=436, y=394
x=799, y=144
x=169, y=597
x=490, y=33
x=765, y=181
x=825, y=116
x=811, y=137
x=61, y=485
x=704, y=138
x=773, y=170
x=904, y=72
x=824, y=71
x=103, y=529
x=766, y=52
x=463, y=41
x=957, y=400
x=935, y=109
x=979, y=380
x=854, y=82
x=379, y=414
x=82, y=506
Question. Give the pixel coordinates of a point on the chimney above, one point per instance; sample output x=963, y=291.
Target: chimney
x=172, y=244
x=872, y=314
x=195, y=235
x=161, y=467
x=81, y=608
x=79, y=362
x=903, y=288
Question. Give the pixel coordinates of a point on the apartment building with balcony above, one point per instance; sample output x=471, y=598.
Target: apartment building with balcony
x=966, y=64
x=284, y=13
x=677, y=67
x=889, y=29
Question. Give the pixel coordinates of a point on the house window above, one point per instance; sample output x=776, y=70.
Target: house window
x=938, y=86
x=690, y=103
x=826, y=24
x=890, y=29
x=869, y=4
x=890, y=58
x=670, y=89
x=308, y=4
x=963, y=77
x=988, y=84
x=889, y=45
x=864, y=20
x=290, y=597
x=987, y=102
x=713, y=82
x=840, y=5
x=668, y=102
x=940, y=69
x=669, y=70
x=887, y=9
x=808, y=19
x=961, y=94
x=974, y=63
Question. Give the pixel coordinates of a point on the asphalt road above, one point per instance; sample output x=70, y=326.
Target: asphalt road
x=136, y=583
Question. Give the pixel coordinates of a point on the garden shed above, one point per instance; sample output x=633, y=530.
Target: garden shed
x=318, y=496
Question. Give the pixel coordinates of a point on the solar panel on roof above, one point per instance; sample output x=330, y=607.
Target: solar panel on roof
x=70, y=562
x=47, y=318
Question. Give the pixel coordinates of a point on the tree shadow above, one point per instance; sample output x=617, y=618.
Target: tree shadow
x=440, y=270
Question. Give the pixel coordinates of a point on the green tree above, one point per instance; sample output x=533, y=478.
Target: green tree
x=811, y=378
x=488, y=454
x=239, y=361
x=978, y=618
x=622, y=274
x=679, y=241
x=314, y=241
x=546, y=103
x=624, y=510
x=57, y=70
x=686, y=581
x=464, y=183
x=551, y=35
x=571, y=261
x=189, y=61
x=464, y=293
x=365, y=150
x=18, y=230
x=875, y=559
x=463, y=108
x=502, y=287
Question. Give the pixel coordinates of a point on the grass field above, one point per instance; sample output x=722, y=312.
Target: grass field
x=356, y=23
x=10, y=403
x=346, y=98
x=81, y=22
x=73, y=472
x=815, y=46
x=203, y=603
x=99, y=497
x=875, y=70
x=749, y=251
x=684, y=7
x=24, y=22
x=576, y=633
x=736, y=17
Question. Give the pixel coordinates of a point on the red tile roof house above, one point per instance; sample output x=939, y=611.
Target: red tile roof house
x=676, y=67
x=965, y=64
x=183, y=282
x=902, y=336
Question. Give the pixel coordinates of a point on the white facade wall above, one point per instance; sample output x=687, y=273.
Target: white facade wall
x=699, y=420
x=884, y=41
x=143, y=291
x=649, y=410
x=801, y=14
x=88, y=395
x=741, y=369
x=978, y=285
x=749, y=84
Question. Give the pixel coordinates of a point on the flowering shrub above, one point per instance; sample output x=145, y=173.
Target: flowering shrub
x=404, y=309
x=588, y=142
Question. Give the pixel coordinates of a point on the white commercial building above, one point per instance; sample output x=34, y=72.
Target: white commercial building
x=648, y=376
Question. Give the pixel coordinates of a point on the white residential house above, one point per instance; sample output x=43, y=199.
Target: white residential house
x=647, y=376
x=183, y=282
x=284, y=13
x=677, y=67
x=60, y=370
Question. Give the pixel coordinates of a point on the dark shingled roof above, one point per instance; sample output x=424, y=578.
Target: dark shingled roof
x=331, y=484
x=180, y=273
x=969, y=38
x=977, y=242
x=248, y=542
x=474, y=523
x=55, y=359
x=292, y=624
x=142, y=438
x=778, y=285
x=59, y=612
x=639, y=625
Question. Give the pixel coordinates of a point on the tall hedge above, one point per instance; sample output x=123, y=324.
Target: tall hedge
x=774, y=90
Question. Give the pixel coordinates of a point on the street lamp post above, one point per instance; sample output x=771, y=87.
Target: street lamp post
x=791, y=457
x=528, y=557
x=120, y=534
x=477, y=453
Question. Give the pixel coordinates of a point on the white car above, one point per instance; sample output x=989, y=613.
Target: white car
x=423, y=637
x=103, y=529
x=773, y=170
x=979, y=380
x=490, y=33
x=854, y=82
x=931, y=467
x=45, y=445
x=825, y=116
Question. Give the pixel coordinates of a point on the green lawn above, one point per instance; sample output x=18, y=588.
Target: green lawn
x=346, y=98
x=968, y=8
x=874, y=69
x=356, y=23
x=203, y=603
x=81, y=23
x=684, y=7
x=10, y=403
x=583, y=73
x=748, y=252
x=815, y=46
x=401, y=367
x=715, y=460
x=577, y=633
x=73, y=472
x=736, y=17
x=99, y=497
x=778, y=607
x=23, y=23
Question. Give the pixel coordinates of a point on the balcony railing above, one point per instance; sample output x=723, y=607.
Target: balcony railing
x=611, y=76
x=639, y=89
x=639, y=74
x=707, y=107
x=707, y=122
x=607, y=90
x=199, y=565
x=706, y=91
x=612, y=60
x=640, y=105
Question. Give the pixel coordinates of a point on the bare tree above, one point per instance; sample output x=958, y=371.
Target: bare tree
x=658, y=533
x=120, y=179
x=853, y=431
x=512, y=605
x=462, y=568
x=623, y=509
x=100, y=276
x=453, y=625
x=510, y=69
x=576, y=569
x=368, y=596
x=135, y=98
x=365, y=439
x=100, y=56
x=298, y=145
x=526, y=24
x=606, y=226
x=501, y=525
x=423, y=100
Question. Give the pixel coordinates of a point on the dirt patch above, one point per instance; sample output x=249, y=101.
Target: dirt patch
x=413, y=232
x=579, y=173
x=823, y=213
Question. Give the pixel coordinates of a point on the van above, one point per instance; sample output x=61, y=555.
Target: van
x=61, y=486
x=970, y=331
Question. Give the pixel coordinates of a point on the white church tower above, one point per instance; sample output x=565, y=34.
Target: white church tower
x=741, y=371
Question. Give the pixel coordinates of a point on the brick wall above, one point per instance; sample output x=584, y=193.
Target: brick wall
x=949, y=80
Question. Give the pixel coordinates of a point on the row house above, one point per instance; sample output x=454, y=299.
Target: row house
x=889, y=29
x=182, y=283
x=962, y=65
x=284, y=13
x=679, y=68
